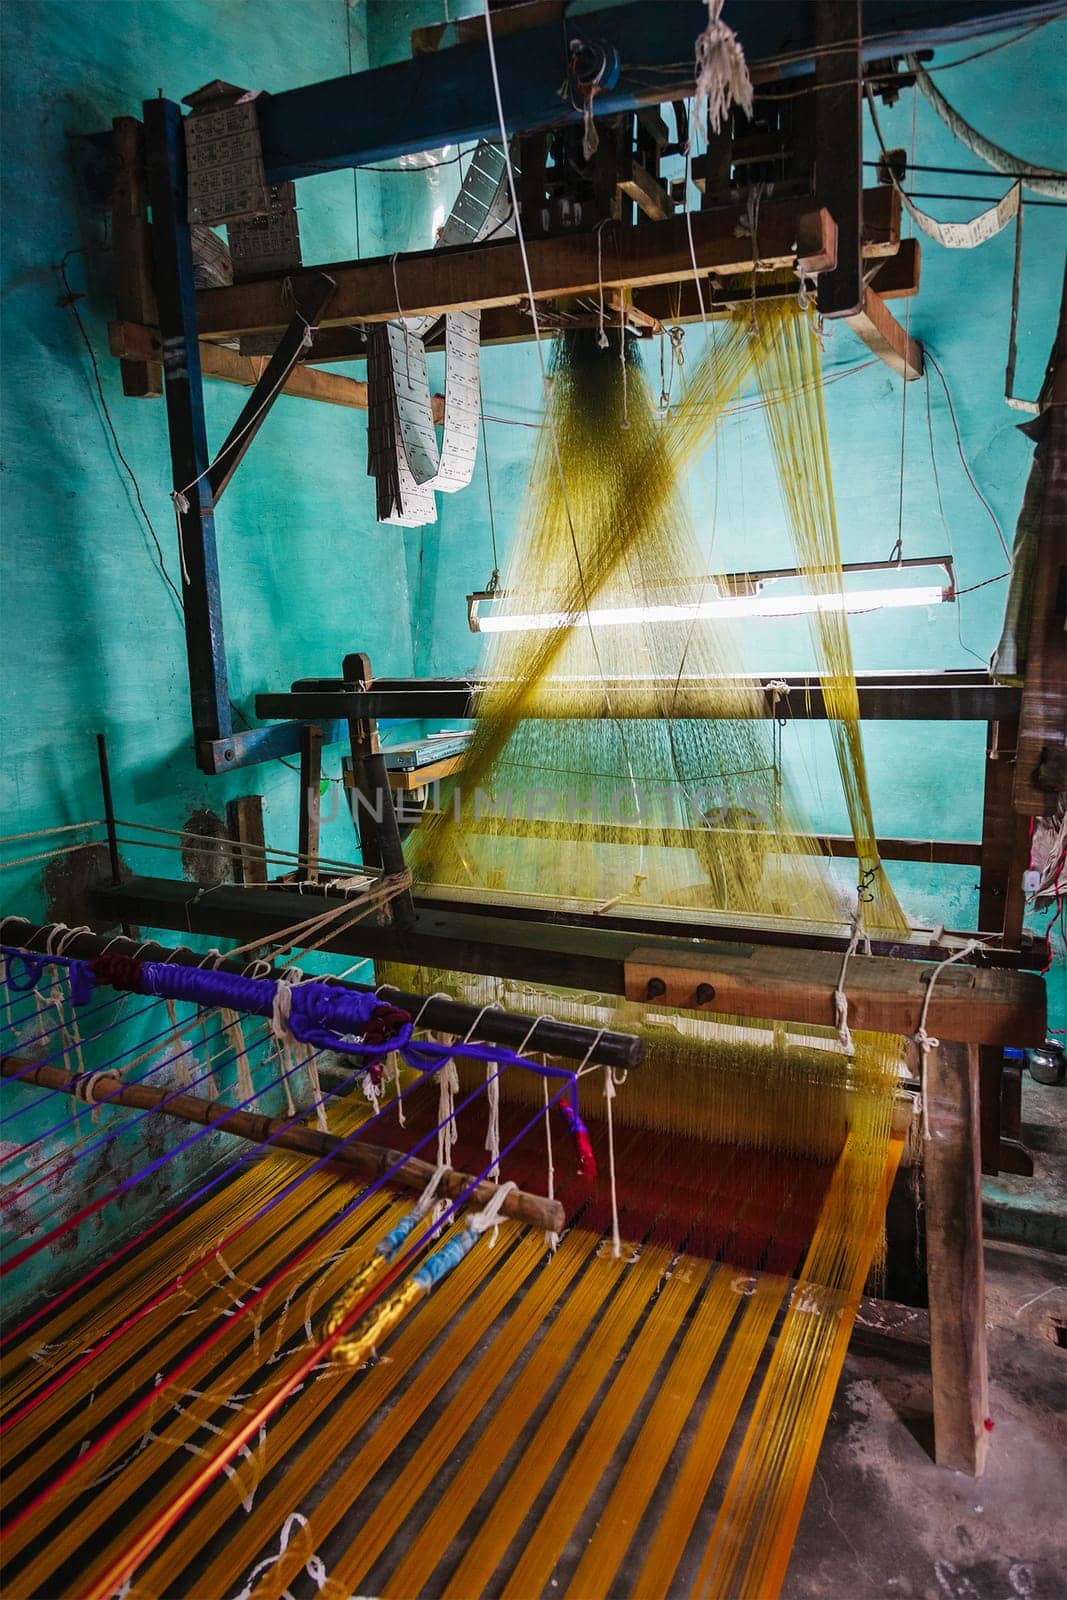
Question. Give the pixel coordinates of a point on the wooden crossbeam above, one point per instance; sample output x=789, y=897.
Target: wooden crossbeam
x=432, y=282
x=345, y=1156
x=973, y=1004
x=880, y=331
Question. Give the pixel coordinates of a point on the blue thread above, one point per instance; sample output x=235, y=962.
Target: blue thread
x=322, y=1015
x=390, y=1244
x=441, y=1263
x=34, y=966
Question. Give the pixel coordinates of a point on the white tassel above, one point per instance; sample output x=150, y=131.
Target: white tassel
x=722, y=76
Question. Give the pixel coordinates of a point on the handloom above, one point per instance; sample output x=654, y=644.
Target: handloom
x=529, y=1268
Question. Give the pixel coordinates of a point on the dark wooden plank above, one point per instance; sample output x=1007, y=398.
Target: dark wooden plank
x=190, y=458
x=955, y=1268
x=987, y=1005
x=839, y=149
x=1041, y=765
x=1005, y=839
x=884, y=993
x=945, y=697
x=431, y=282
x=131, y=254
x=371, y=797
x=310, y=802
x=244, y=817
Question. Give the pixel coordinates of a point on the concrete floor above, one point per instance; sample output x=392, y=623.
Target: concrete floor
x=882, y=1521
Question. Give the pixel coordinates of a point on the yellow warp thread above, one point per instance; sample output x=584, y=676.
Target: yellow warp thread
x=367, y=1274
x=359, y=1345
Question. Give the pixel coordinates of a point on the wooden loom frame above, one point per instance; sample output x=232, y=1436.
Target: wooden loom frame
x=166, y=330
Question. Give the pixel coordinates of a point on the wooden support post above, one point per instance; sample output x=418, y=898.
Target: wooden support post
x=315, y=297
x=307, y=870
x=955, y=1268
x=839, y=149
x=372, y=801
x=131, y=244
x=880, y=331
x=1041, y=766
x=1005, y=840
x=244, y=817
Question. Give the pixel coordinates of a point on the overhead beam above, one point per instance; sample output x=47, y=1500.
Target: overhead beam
x=448, y=98
x=432, y=282
x=138, y=343
x=980, y=1005
x=918, y=697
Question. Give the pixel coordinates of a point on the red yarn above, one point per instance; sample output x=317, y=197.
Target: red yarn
x=385, y=1023
x=117, y=971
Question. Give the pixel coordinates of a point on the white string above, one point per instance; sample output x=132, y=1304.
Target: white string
x=840, y=997
x=551, y=1236
x=722, y=78
x=426, y=1198
x=490, y=1217
x=925, y=1041
x=609, y=1096
x=545, y=380
x=601, y=336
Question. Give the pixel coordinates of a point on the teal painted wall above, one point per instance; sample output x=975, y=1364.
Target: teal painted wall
x=91, y=637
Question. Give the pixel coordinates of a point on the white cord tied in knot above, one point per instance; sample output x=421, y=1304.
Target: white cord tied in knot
x=609, y=1096
x=492, y=1134
x=482, y=1221
x=426, y=1198
x=279, y=1017
x=722, y=76
x=181, y=502
x=926, y=1041
x=840, y=997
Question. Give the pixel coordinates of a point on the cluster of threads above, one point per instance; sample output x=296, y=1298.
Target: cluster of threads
x=630, y=762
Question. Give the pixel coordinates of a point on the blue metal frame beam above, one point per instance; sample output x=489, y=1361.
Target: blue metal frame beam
x=447, y=98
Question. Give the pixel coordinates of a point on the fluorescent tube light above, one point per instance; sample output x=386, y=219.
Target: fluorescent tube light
x=734, y=595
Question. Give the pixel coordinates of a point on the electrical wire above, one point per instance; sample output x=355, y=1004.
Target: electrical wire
x=966, y=465
x=71, y=300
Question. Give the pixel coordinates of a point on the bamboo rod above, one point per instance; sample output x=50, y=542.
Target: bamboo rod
x=373, y=1160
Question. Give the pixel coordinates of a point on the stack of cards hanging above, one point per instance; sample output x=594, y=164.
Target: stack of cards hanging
x=403, y=453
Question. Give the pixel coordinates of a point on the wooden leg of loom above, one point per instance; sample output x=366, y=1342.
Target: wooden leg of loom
x=955, y=1269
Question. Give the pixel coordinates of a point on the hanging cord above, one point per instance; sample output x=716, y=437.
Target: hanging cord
x=722, y=79
x=494, y=581
x=859, y=935
x=897, y=552
x=601, y=336
x=924, y=1040
x=71, y=299
x=609, y=1097
x=545, y=381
